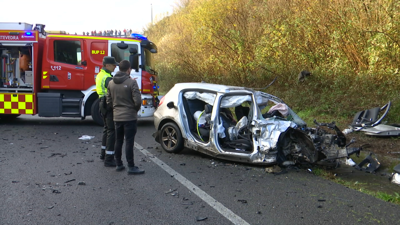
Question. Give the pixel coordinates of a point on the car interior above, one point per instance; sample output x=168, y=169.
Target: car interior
x=228, y=118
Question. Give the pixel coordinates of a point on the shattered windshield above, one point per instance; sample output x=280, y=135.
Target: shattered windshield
x=271, y=106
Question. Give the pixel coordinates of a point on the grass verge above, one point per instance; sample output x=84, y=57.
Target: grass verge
x=359, y=186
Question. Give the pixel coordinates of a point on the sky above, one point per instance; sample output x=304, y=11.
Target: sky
x=86, y=15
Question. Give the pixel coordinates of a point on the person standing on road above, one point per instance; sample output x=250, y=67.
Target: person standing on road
x=108, y=140
x=123, y=96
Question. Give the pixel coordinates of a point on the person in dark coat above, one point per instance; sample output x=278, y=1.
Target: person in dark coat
x=124, y=97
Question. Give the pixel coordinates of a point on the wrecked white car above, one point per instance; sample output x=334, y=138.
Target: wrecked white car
x=243, y=125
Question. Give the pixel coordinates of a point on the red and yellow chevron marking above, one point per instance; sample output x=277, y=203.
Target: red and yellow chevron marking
x=16, y=103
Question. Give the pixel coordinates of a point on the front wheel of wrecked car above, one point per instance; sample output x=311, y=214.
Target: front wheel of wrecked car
x=171, y=138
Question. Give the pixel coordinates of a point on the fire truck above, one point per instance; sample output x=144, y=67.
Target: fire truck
x=53, y=75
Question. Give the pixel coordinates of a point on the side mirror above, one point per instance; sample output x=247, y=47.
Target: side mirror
x=171, y=105
x=122, y=45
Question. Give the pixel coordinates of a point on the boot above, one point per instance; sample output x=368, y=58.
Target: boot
x=135, y=170
x=120, y=168
x=109, y=161
x=103, y=153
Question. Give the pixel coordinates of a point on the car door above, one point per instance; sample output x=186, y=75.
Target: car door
x=64, y=69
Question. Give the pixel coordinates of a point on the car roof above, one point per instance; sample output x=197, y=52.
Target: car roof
x=208, y=86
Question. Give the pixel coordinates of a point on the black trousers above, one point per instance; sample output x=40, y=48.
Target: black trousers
x=125, y=129
x=108, y=138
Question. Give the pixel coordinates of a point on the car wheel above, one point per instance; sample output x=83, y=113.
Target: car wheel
x=96, y=113
x=171, y=138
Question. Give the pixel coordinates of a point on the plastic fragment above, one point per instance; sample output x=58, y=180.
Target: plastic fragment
x=350, y=162
x=395, y=178
x=200, y=218
x=86, y=137
x=371, y=164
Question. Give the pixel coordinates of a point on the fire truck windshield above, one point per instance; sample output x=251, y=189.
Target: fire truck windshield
x=121, y=54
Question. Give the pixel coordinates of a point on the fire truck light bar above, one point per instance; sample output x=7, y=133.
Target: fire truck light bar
x=138, y=36
x=28, y=33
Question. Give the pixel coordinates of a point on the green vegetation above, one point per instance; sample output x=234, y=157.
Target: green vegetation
x=359, y=186
x=350, y=46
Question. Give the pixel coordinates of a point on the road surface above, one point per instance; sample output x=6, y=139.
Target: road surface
x=49, y=176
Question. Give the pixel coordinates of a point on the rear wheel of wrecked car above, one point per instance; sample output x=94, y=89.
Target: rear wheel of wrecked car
x=171, y=138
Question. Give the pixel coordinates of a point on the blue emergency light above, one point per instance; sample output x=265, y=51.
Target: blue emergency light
x=28, y=33
x=138, y=36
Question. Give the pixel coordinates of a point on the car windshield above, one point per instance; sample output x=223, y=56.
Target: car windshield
x=271, y=106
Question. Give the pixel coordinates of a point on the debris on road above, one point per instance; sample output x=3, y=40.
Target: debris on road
x=86, y=137
x=395, y=177
x=81, y=183
x=170, y=191
x=70, y=180
x=350, y=162
x=370, y=164
x=242, y=201
x=55, y=154
x=200, y=218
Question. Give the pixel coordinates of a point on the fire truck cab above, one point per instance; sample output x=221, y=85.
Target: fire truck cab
x=53, y=75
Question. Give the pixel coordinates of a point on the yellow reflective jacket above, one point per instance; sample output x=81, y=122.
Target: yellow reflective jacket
x=102, y=80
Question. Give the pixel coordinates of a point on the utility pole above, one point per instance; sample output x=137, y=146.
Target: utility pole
x=152, y=14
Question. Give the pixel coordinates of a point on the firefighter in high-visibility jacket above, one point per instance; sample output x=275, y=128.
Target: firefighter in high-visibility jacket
x=108, y=139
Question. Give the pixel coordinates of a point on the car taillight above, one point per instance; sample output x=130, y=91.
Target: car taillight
x=161, y=101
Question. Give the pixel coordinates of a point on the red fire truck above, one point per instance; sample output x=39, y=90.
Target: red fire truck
x=53, y=75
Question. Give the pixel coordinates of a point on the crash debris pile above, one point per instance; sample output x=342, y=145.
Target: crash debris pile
x=370, y=122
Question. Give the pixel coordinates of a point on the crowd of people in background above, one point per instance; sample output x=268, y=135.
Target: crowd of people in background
x=110, y=33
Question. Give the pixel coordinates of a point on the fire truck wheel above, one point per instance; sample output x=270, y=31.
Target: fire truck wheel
x=9, y=117
x=96, y=113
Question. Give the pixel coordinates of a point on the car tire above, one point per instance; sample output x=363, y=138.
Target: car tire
x=96, y=113
x=171, y=138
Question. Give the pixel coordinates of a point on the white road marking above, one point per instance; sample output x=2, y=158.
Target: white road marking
x=227, y=213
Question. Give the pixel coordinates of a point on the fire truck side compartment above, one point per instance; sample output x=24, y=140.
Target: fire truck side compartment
x=49, y=104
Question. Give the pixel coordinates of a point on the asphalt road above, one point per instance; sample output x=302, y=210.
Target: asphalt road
x=49, y=176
